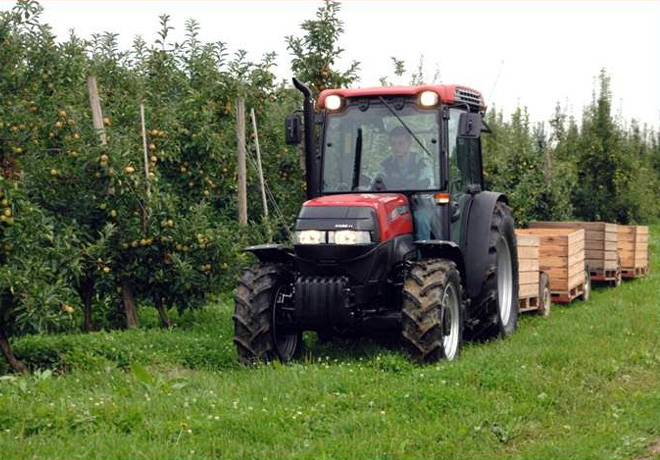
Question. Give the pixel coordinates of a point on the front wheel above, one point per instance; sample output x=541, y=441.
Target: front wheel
x=262, y=315
x=433, y=314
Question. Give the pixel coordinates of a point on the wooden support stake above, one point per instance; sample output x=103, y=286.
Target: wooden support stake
x=86, y=288
x=128, y=296
x=146, y=151
x=260, y=170
x=95, y=103
x=240, y=141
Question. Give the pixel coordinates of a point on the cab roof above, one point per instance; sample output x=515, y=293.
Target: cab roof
x=447, y=94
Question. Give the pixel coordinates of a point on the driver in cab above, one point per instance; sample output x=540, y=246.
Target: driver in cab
x=405, y=170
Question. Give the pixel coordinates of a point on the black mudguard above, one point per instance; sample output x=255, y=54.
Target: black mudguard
x=477, y=241
x=273, y=253
x=445, y=250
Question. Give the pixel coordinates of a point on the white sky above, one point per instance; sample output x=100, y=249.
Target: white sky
x=544, y=52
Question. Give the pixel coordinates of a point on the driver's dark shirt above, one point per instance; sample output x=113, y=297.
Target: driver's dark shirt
x=413, y=174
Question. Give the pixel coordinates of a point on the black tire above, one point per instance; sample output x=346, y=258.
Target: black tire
x=545, y=298
x=586, y=295
x=255, y=329
x=498, y=321
x=433, y=311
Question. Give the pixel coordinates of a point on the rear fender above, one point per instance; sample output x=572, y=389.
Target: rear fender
x=442, y=249
x=478, y=239
x=273, y=253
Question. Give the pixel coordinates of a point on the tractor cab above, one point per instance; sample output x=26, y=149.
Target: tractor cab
x=422, y=142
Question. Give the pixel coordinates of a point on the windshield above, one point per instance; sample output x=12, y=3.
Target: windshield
x=383, y=147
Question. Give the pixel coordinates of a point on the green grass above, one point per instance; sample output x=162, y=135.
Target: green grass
x=583, y=383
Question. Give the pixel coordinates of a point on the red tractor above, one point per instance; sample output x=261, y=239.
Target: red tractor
x=397, y=234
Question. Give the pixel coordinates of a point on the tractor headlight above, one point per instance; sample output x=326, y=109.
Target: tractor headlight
x=349, y=237
x=309, y=237
x=333, y=102
x=428, y=98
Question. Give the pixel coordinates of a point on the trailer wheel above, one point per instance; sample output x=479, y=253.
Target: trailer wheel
x=545, y=299
x=433, y=313
x=261, y=306
x=616, y=282
x=586, y=295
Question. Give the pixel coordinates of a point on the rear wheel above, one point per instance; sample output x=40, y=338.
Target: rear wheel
x=432, y=315
x=545, y=299
x=262, y=312
x=499, y=295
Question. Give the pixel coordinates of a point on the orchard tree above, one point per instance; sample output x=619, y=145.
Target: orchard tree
x=516, y=158
x=315, y=54
x=38, y=260
x=602, y=168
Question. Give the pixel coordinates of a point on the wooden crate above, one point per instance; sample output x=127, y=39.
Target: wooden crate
x=528, y=272
x=561, y=256
x=601, y=239
x=633, y=247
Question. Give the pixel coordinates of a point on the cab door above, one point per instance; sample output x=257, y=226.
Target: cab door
x=465, y=174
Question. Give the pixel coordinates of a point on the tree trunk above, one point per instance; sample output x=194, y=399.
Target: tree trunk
x=128, y=298
x=86, y=292
x=164, y=319
x=14, y=363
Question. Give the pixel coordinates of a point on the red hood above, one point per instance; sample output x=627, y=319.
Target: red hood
x=392, y=210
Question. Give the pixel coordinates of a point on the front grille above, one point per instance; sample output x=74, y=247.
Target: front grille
x=468, y=96
x=322, y=301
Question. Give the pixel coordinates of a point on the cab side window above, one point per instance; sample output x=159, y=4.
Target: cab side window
x=464, y=161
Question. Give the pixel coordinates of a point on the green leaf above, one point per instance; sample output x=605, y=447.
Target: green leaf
x=141, y=374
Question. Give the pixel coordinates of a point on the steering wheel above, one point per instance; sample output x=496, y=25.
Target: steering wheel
x=343, y=187
x=379, y=184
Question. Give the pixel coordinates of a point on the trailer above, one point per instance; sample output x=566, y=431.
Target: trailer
x=633, y=248
x=601, y=242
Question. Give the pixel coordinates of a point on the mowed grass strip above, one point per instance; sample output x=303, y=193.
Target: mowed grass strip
x=583, y=383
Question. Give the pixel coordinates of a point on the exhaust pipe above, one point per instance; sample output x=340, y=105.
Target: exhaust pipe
x=312, y=169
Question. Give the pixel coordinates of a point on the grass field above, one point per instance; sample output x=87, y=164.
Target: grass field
x=583, y=383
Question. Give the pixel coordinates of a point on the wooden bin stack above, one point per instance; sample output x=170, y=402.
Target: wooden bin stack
x=633, y=246
x=528, y=271
x=561, y=256
x=601, y=240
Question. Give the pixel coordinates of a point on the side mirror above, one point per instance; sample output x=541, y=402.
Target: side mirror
x=293, y=131
x=470, y=125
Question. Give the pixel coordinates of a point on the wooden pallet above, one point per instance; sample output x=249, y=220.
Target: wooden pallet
x=528, y=304
x=634, y=272
x=568, y=296
x=528, y=266
x=603, y=275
